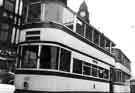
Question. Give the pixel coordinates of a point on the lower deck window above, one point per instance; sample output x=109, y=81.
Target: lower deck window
x=85, y=68
x=29, y=57
x=65, y=57
x=49, y=57
x=101, y=72
x=55, y=58
x=94, y=71
x=77, y=66
x=106, y=74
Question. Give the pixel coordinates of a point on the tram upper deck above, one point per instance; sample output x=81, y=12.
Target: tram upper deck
x=49, y=16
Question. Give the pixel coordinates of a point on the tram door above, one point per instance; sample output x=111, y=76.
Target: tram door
x=111, y=80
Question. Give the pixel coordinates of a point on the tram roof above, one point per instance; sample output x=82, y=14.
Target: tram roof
x=113, y=44
x=121, y=52
x=65, y=1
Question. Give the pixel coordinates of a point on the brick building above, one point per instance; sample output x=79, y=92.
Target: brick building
x=10, y=17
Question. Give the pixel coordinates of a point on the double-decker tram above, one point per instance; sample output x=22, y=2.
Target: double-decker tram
x=122, y=72
x=58, y=52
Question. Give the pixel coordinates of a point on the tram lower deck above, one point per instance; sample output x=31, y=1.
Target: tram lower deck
x=51, y=68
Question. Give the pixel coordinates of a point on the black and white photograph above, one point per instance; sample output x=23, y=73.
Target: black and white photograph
x=67, y=46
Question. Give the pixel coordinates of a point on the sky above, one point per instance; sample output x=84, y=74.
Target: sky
x=116, y=19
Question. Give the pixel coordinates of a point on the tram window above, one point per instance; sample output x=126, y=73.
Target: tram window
x=86, y=70
x=118, y=76
x=80, y=27
x=53, y=12
x=77, y=66
x=49, y=57
x=34, y=12
x=29, y=57
x=65, y=59
x=101, y=72
x=102, y=41
x=68, y=16
x=94, y=71
x=96, y=37
x=89, y=32
x=106, y=74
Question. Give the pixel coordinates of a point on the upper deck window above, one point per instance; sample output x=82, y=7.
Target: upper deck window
x=53, y=12
x=34, y=12
x=80, y=27
x=87, y=69
x=68, y=16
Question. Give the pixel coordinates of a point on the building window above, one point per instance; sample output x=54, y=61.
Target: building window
x=9, y=5
x=3, y=65
x=65, y=59
x=49, y=57
x=77, y=66
x=34, y=12
x=4, y=28
x=24, y=13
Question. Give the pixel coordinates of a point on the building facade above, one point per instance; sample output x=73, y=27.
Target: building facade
x=10, y=17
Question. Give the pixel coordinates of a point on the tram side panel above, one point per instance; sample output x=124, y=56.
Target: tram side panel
x=49, y=83
x=63, y=37
x=51, y=80
x=121, y=88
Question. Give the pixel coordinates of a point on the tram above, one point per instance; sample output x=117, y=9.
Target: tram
x=122, y=72
x=58, y=52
